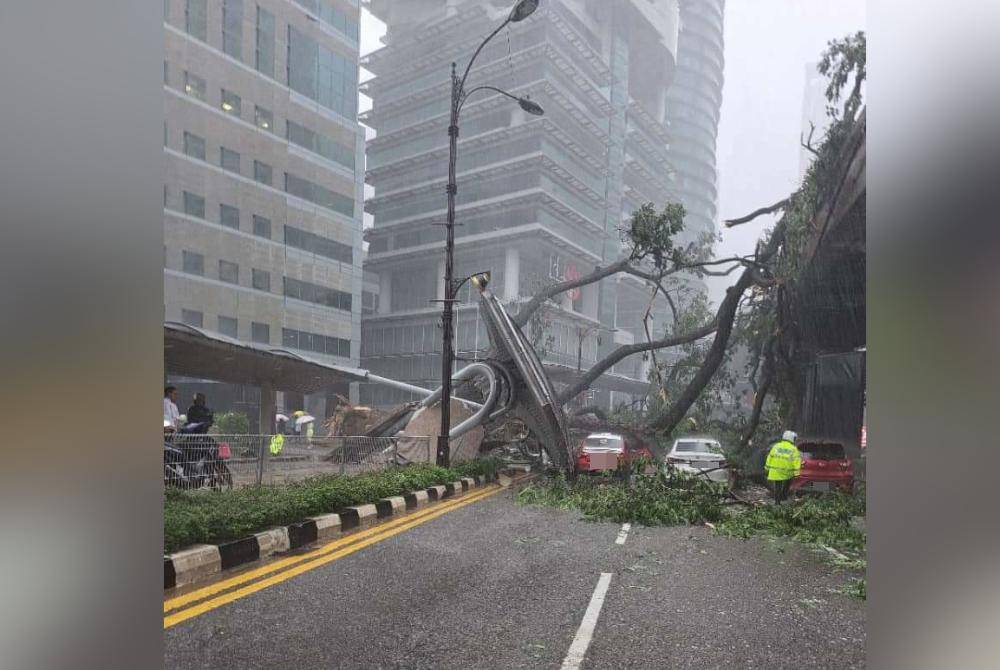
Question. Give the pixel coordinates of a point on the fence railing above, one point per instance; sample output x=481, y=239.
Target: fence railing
x=230, y=461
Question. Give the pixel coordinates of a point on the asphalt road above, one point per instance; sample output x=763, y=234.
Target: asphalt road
x=497, y=585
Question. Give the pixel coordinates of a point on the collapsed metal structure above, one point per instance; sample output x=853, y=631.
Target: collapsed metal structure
x=516, y=387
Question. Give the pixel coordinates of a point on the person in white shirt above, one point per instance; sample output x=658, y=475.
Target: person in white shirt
x=170, y=411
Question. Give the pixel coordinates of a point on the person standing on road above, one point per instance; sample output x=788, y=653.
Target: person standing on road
x=170, y=411
x=783, y=463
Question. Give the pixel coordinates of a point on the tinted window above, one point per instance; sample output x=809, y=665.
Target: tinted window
x=603, y=443
x=822, y=452
x=262, y=172
x=231, y=103
x=229, y=272
x=232, y=28
x=194, y=146
x=229, y=159
x=697, y=445
x=228, y=326
x=263, y=118
x=194, y=205
x=195, y=19
x=194, y=85
x=260, y=332
x=261, y=280
x=265, y=42
x=192, y=317
x=262, y=226
x=194, y=263
x=229, y=216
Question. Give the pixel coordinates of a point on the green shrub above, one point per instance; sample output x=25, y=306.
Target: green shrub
x=191, y=517
x=232, y=423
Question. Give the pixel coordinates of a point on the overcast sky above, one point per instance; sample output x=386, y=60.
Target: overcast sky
x=768, y=44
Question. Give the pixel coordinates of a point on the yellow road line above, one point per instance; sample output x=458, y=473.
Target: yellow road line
x=250, y=575
x=301, y=568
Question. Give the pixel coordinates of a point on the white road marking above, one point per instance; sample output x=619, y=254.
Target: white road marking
x=578, y=649
x=623, y=533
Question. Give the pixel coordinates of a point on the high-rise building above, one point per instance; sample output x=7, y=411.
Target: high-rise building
x=693, y=105
x=539, y=198
x=263, y=172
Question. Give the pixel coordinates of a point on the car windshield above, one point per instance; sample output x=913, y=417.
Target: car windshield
x=603, y=443
x=822, y=452
x=702, y=446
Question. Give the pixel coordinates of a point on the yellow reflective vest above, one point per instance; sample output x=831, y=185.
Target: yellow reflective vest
x=783, y=461
x=277, y=443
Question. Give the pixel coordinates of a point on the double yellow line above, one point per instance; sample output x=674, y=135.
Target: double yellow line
x=220, y=593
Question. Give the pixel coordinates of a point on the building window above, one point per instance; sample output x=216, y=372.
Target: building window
x=229, y=272
x=333, y=16
x=325, y=76
x=321, y=344
x=320, y=195
x=192, y=317
x=261, y=280
x=228, y=326
x=195, y=86
x=262, y=226
x=265, y=42
x=369, y=302
x=320, y=144
x=194, y=146
x=229, y=159
x=262, y=172
x=321, y=295
x=263, y=118
x=260, y=332
x=196, y=19
x=229, y=216
x=231, y=103
x=194, y=263
x=194, y=205
x=322, y=246
x=232, y=28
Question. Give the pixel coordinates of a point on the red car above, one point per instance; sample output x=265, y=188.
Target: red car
x=825, y=467
x=605, y=451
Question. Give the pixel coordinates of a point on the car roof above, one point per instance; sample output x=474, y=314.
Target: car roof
x=604, y=436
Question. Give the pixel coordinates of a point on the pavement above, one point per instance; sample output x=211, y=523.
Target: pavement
x=492, y=584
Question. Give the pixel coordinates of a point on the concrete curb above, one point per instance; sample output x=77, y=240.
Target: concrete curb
x=202, y=561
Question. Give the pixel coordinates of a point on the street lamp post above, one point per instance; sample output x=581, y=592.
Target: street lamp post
x=458, y=96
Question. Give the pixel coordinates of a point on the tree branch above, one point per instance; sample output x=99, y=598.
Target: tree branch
x=781, y=204
x=724, y=319
x=626, y=350
x=553, y=290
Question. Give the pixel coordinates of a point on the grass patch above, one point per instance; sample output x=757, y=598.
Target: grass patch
x=191, y=517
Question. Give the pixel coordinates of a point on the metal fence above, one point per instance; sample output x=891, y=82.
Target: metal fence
x=232, y=461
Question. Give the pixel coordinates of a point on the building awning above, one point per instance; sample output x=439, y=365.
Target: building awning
x=193, y=352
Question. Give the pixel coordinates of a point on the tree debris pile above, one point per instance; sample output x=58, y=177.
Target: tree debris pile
x=824, y=522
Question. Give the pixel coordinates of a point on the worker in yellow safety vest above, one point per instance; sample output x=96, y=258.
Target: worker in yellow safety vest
x=783, y=463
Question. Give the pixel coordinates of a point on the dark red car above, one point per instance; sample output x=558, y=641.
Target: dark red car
x=825, y=467
x=605, y=451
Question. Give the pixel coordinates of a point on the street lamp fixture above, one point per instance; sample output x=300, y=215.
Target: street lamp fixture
x=521, y=11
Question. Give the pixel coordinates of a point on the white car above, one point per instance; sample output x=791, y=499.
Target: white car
x=694, y=455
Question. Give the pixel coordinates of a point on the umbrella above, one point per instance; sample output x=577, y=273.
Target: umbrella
x=304, y=419
x=280, y=417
